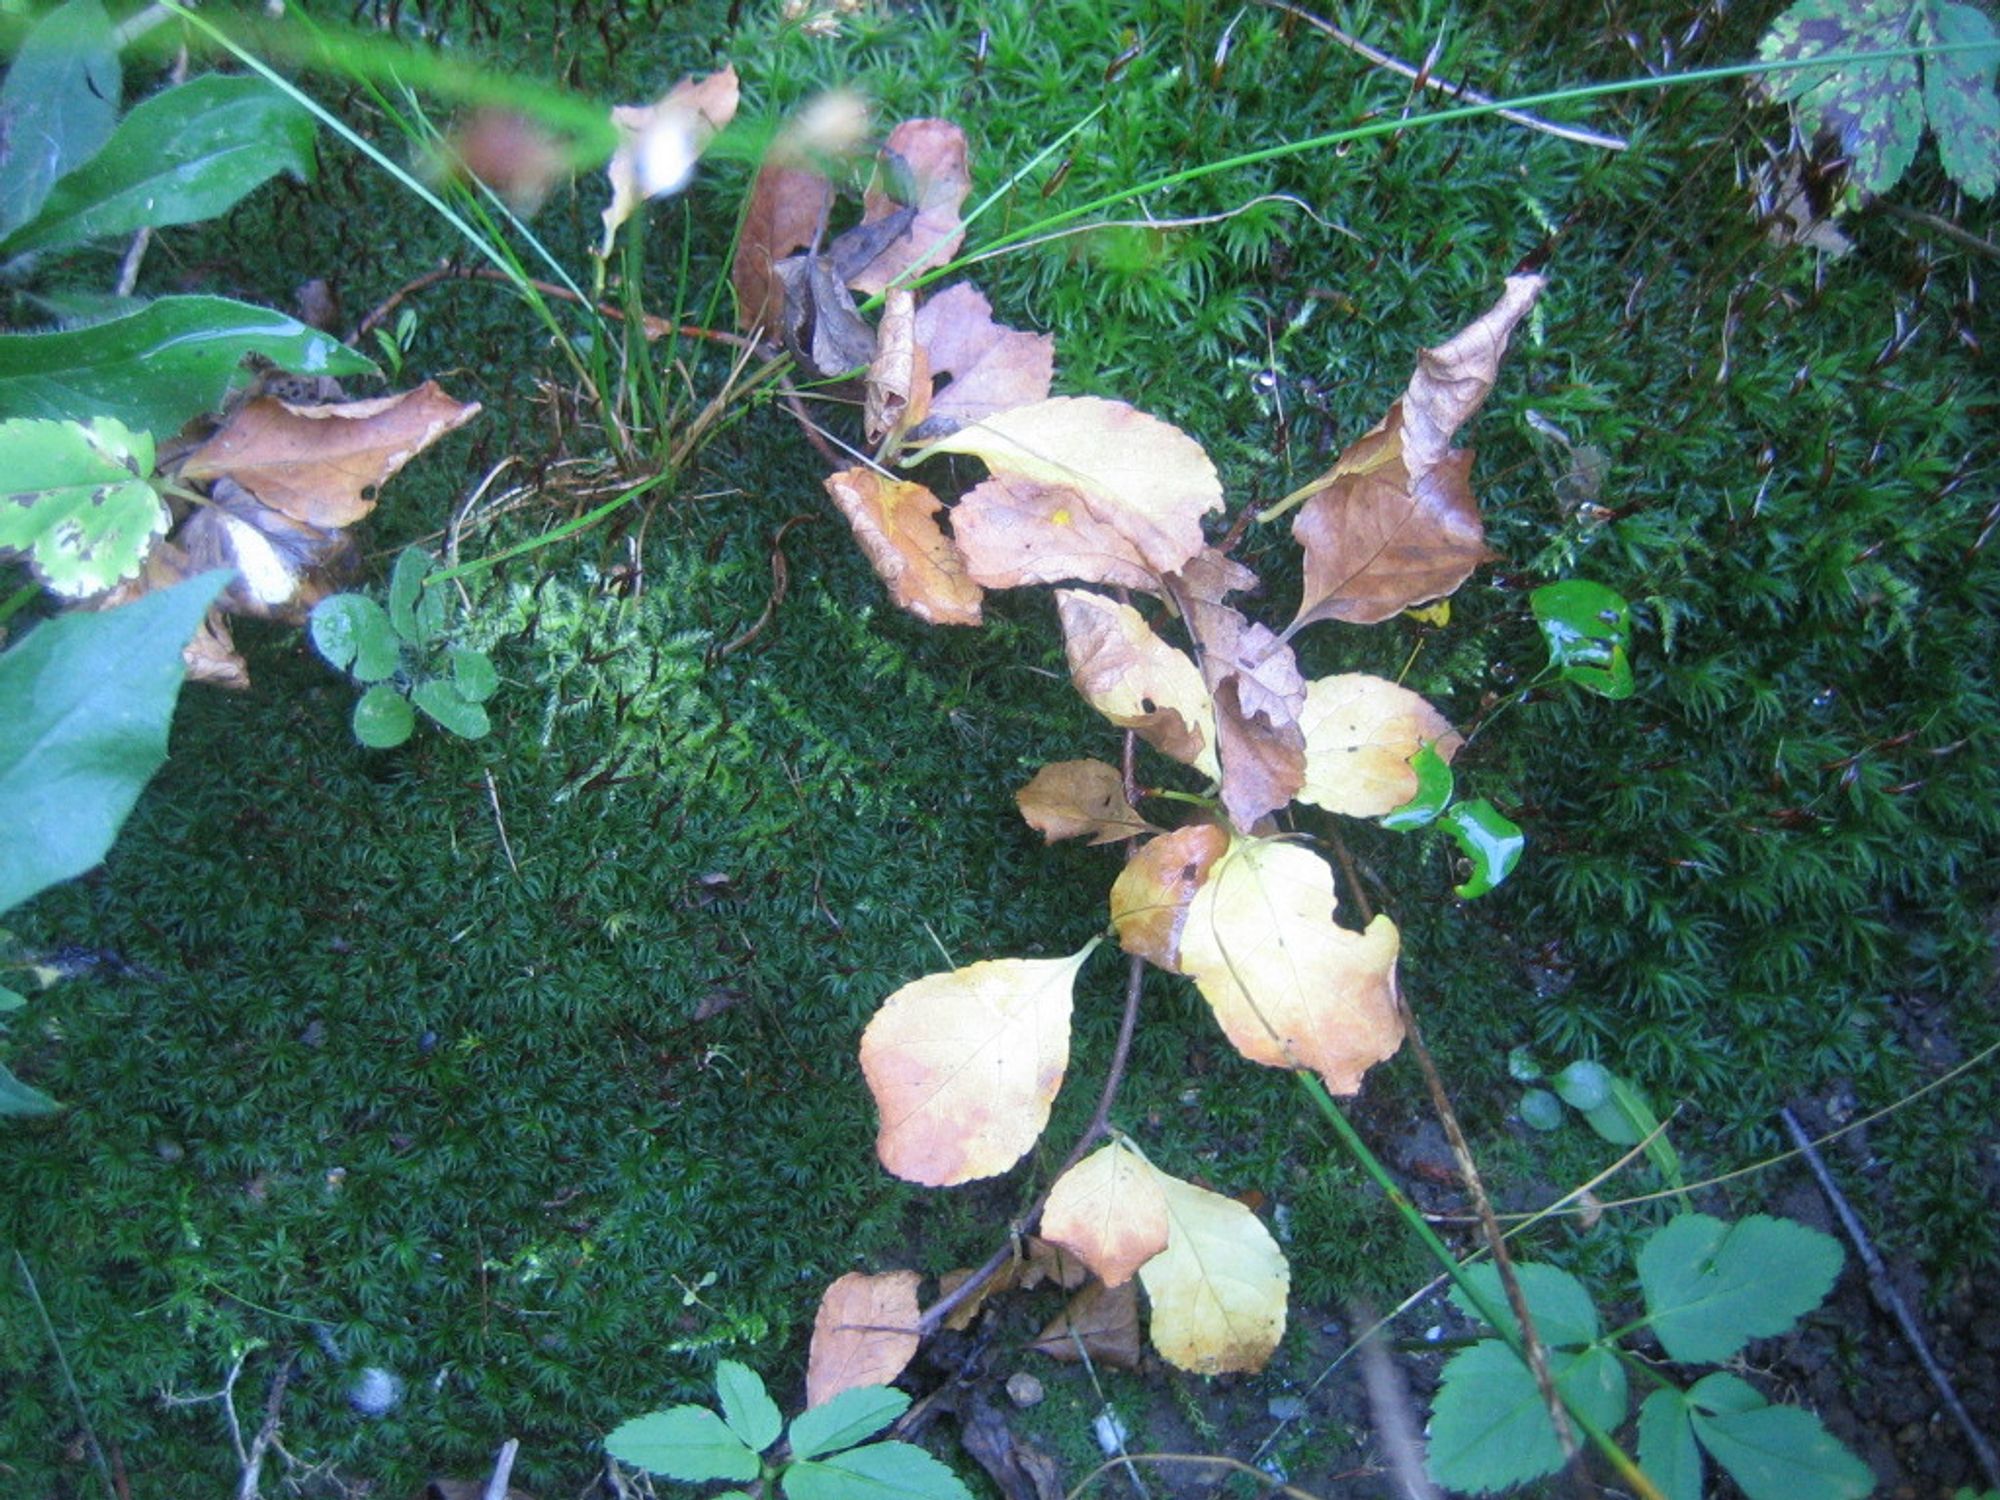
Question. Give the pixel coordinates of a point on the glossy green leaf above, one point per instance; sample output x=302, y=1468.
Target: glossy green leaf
x=1541, y=1110
x=187, y=153
x=1711, y=1286
x=353, y=633
x=437, y=697
x=1588, y=631
x=881, y=1471
x=1773, y=1452
x=18, y=1098
x=406, y=585
x=1667, y=1450
x=1489, y=1429
x=161, y=365
x=78, y=501
x=747, y=1407
x=85, y=700
x=1964, y=111
x=57, y=106
x=1434, y=787
x=383, y=718
x=473, y=675
x=846, y=1419
x=1490, y=841
x=688, y=1443
x=1872, y=108
x=1583, y=1085
x=1564, y=1315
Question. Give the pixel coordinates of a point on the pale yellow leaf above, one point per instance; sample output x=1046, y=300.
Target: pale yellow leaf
x=1150, y=898
x=1109, y=1210
x=1218, y=1290
x=658, y=144
x=864, y=1333
x=1360, y=734
x=1070, y=798
x=1016, y=531
x=965, y=1065
x=1135, y=679
x=1291, y=987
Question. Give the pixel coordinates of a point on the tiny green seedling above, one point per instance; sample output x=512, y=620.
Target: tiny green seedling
x=403, y=656
x=1610, y=1105
x=823, y=1457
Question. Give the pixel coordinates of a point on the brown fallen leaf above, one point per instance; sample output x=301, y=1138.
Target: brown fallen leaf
x=821, y=327
x=967, y=1312
x=511, y=153
x=283, y=566
x=865, y=1333
x=1203, y=587
x=1014, y=531
x=788, y=207
x=1020, y=1470
x=1453, y=380
x=895, y=520
x=1258, y=693
x=325, y=465
x=1050, y=1263
x=659, y=143
x=1149, y=899
x=1103, y=1320
x=898, y=392
x=1135, y=679
x=924, y=163
x=992, y=368
x=1071, y=798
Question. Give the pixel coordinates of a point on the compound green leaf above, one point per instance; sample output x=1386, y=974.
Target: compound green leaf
x=1489, y=1428
x=444, y=703
x=845, y=1419
x=472, y=674
x=18, y=1098
x=353, y=633
x=1564, y=1315
x=688, y=1443
x=57, y=106
x=746, y=1406
x=1711, y=1287
x=383, y=718
x=1434, y=787
x=1964, y=111
x=1583, y=1085
x=155, y=368
x=78, y=502
x=1493, y=844
x=881, y=1471
x=1873, y=109
x=1780, y=1453
x=1667, y=1450
x=187, y=153
x=1588, y=631
x=1720, y=1392
x=85, y=700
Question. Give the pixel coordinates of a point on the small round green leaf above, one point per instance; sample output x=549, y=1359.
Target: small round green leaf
x=1522, y=1066
x=688, y=1443
x=746, y=1406
x=1541, y=1110
x=443, y=702
x=1588, y=631
x=1583, y=1085
x=472, y=674
x=1434, y=787
x=77, y=501
x=1490, y=841
x=846, y=1419
x=353, y=633
x=881, y=1471
x=382, y=719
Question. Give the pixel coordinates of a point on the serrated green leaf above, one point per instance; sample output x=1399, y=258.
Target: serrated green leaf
x=1667, y=1450
x=1489, y=1428
x=18, y=1098
x=383, y=718
x=1492, y=842
x=1872, y=108
x=1583, y=1085
x=1782, y=1453
x=1711, y=1287
x=352, y=632
x=1540, y=1110
x=444, y=703
x=187, y=153
x=746, y=1406
x=79, y=502
x=688, y=1443
x=1434, y=788
x=846, y=1419
x=881, y=1471
x=1963, y=110
x=472, y=674
x=1561, y=1307
x=161, y=365
x=1588, y=631
x=85, y=700
x=57, y=106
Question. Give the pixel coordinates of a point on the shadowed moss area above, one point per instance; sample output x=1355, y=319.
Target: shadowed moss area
x=541, y=1134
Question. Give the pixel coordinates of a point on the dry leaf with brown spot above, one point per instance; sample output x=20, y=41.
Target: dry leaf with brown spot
x=925, y=161
x=325, y=465
x=1135, y=679
x=659, y=143
x=992, y=368
x=1109, y=1210
x=895, y=521
x=1014, y=531
x=898, y=390
x=1069, y=799
x=1360, y=734
x=865, y=1333
x=1103, y=1319
x=1218, y=1290
x=1150, y=898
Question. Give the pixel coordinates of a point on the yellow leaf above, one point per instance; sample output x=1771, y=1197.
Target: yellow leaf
x=1360, y=734
x=1150, y=898
x=1109, y=1210
x=1438, y=614
x=1290, y=987
x=1071, y=798
x=965, y=1065
x=864, y=1333
x=1218, y=1289
x=1135, y=679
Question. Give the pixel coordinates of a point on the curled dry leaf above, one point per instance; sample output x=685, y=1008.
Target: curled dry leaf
x=211, y=656
x=1071, y=798
x=925, y=161
x=992, y=368
x=822, y=329
x=1135, y=679
x=1290, y=987
x=1143, y=477
x=895, y=521
x=1259, y=694
x=1050, y=1263
x=1360, y=734
x=1201, y=589
x=1453, y=380
x=1218, y=1290
x=1101, y=1323
x=658, y=144
x=898, y=391
x=864, y=1333
x=1109, y=1210
x=967, y=1312
x=964, y=1066
x=1014, y=531
x=324, y=465
x=1150, y=898
x=283, y=566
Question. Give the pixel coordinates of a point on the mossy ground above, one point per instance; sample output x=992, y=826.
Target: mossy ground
x=542, y=1136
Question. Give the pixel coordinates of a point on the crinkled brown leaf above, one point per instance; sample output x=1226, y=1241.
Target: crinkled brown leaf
x=1150, y=898
x=1202, y=588
x=1019, y=1469
x=1015, y=531
x=1050, y=1263
x=898, y=392
x=1360, y=734
x=924, y=160
x=1135, y=679
x=283, y=567
x=992, y=368
x=967, y=1312
x=1258, y=694
x=788, y=206
x=1103, y=1319
x=659, y=143
x=211, y=656
x=1070, y=799
x=325, y=465
x=821, y=327
x=1108, y=1209
x=895, y=521
x=1453, y=380
x=864, y=1333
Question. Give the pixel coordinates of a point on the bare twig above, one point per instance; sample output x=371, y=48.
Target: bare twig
x=781, y=578
x=267, y=1432
x=69, y=1376
x=500, y=823
x=1885, y=1293
x=503, y=1470
x=1940, y=225
x=653, y=327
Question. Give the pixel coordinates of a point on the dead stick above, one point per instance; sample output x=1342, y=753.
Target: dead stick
x=503, y=1470
x=1886, y=1295
x=253, y=1462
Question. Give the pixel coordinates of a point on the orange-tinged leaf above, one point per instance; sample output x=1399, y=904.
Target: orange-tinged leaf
x=1103, y=1320
x=1218, y=1290
x=1016, y=531
x=895, y=520
x=1150, y=898
x=1360, y=734
x=1135, y=679
x=898, y=389
x=965, y=1065
x=659, y=143
x=325, y=464
x=1290, y=987
x=1109, y=1210
x=788, y=206
x=927, y=157
x=1070, y=798
x=864, y=1333
x=1144, y=477
x=992, y=368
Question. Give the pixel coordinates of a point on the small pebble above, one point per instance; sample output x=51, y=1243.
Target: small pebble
x=1023, y=1389
x=1286, y=1408
x=1111, y=1433
x=375, y=1391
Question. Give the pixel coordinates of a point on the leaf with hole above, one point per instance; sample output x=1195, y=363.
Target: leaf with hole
x=1136, y=680
x=895, y=521
x=1070, y=799
x=1151, y=897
